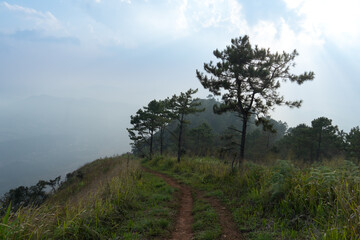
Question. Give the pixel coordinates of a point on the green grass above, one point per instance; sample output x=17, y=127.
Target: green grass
x=206, y=224
x=112, y=200
x=279, y=201
x=109, y=199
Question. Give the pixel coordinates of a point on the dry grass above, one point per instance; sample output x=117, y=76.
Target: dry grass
x=96, y=205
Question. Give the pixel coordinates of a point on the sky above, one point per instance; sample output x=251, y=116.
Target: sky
x=133, y=51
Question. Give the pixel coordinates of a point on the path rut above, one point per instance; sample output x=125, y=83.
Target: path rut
x=184, y=220
x=228, y=226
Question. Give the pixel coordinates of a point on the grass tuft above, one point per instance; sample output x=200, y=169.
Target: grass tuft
x=279, y=201
x=110, y=200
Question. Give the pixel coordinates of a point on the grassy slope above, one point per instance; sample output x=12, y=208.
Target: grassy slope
x=113, y=200
x=110, y=199
x=280, y=201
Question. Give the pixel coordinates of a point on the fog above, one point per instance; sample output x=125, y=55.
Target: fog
x=42, y=137
x=106, y=59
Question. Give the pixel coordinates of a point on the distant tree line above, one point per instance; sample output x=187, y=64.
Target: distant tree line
x=37, y=194
x=247, y=79
x=203, y=133
x=321, y=140
x=28, y=196
x=156, y=116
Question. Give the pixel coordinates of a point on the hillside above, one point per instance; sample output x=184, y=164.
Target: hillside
x=117, y=198
x=201, y=198
x=109, y=198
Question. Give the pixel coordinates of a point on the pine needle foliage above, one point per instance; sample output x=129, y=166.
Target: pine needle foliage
x=248, y=80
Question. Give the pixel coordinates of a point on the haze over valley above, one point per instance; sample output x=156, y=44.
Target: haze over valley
x=73, y=72
x=42, y=137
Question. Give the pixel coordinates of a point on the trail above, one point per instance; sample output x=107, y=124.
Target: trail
x=228, y=227
x=185, y=219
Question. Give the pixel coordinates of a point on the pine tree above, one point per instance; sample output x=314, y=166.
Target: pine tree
x=202, y=138
x=327, y=138
x=145, y=123
x=353, y=143
x=164, y=119
x=180, y=106
x=248, y=80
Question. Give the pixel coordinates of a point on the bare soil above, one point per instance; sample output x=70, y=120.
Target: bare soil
x=184, y=219
x=228, y=227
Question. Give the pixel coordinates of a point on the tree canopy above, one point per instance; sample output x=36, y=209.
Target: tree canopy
x=313, y=143
x=353, y=143
x=145, y=123
x=180, y=106
x=248, y=79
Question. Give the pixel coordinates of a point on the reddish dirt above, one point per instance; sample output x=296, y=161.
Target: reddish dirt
x=228, y=227
x=184, y=219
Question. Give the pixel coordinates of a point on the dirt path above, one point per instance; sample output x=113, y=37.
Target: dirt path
x=185, y=219
x=228, y=227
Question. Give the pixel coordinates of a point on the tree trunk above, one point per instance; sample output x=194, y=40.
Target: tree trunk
x=233, y=161
x=198, y=143
x=151, y=144
x=161, y=140
x=179, y=140
x=319, y=145
x=243, y=138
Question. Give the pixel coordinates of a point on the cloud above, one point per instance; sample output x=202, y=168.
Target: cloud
x=333, y=20
x=228, y=17
x=21, y=9
x=171, y=20
x=43, y=20
x=237, y=19
x=181, y=21
x=194, y=15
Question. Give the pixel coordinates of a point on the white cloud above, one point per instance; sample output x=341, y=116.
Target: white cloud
x=194, y=15
x=187, y=17
x=293, y=3
x=264, y=33
x=181, y=21
x=279, y=36
x=335, y=20
x=237, y=19
x=20, y=8
x=45, y=21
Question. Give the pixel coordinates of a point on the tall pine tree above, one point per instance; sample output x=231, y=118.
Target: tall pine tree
x=248, y=80
x=180, y=106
